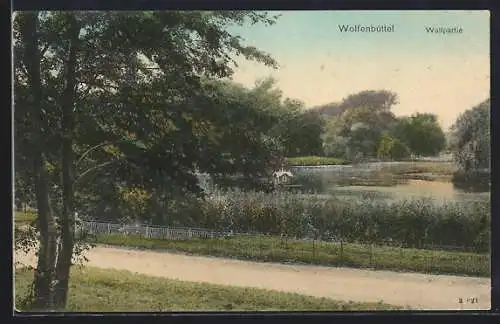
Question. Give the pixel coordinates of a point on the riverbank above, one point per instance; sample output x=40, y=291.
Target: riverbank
x=314, y=161
x=381, y=173
x=402, y=170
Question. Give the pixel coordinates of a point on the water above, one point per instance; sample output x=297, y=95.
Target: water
x=414, y=189
x=376, y=180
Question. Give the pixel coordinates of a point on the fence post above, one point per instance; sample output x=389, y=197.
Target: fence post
x=341, y=250
x=371, y=253
x=314, y=249
x=109, y=229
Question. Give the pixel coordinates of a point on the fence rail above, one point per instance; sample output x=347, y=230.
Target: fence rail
x=262, y=247
x=158, y=232
x=186, y=233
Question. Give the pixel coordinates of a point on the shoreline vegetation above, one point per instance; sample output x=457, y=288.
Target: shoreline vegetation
x=314, y=161
x=102, y=290
x=415, y=223
x=403, y=170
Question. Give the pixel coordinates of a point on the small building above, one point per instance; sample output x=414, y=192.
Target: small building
x=282, y=176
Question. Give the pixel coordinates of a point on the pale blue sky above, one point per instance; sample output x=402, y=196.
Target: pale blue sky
x=442, y=74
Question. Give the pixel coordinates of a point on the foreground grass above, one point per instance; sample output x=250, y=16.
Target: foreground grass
x=24, y=218
x=330, y=254
x=314, y=161
x=99, y=290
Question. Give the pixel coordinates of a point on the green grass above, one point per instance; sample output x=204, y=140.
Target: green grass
x=329, y=254
x=98, y=290
x=24, y=218
x=314, y=161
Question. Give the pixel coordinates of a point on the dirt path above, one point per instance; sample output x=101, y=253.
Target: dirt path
x=417, y=291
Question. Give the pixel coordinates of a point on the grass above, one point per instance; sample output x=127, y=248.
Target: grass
x=314, y=161
x=330, y=254
x=98, y=290
x=24, y=218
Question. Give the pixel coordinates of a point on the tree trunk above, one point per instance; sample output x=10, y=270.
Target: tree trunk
x=44, y=274
x=67, y=221
x=47, y=255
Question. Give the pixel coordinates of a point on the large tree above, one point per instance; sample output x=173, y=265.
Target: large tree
x=304, y=135
x=471, y=138
x=30, y=150
x=422, y=134
x=364, y=118
x=95, y=90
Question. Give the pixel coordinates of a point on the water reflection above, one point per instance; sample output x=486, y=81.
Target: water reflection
x=380, y=180
x=413, y=189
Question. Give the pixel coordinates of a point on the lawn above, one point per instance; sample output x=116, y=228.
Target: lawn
x=270, y=249
x=24, y=218
x=99, y=290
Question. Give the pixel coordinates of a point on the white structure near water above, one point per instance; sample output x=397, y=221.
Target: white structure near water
x=206, y=183
x=282, y=176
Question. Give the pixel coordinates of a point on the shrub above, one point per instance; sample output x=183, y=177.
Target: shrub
x=475, y=181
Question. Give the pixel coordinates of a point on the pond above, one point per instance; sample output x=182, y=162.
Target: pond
x=384, y=180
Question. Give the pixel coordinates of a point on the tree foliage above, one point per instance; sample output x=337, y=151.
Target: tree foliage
x=391, y=148
x=378, y=99
x=356, y=127
x=365, y=117
x=471, y=138
x=107, y=104
x=422, y=134
x=470, y=141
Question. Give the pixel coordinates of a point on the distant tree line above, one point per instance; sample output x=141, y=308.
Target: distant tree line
x=363, y=126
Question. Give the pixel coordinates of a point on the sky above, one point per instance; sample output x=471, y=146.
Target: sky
x=444, y=74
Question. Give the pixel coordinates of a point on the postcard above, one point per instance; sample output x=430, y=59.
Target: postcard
x=170, y=161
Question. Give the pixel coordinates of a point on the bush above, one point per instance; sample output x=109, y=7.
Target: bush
x=475, y=181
